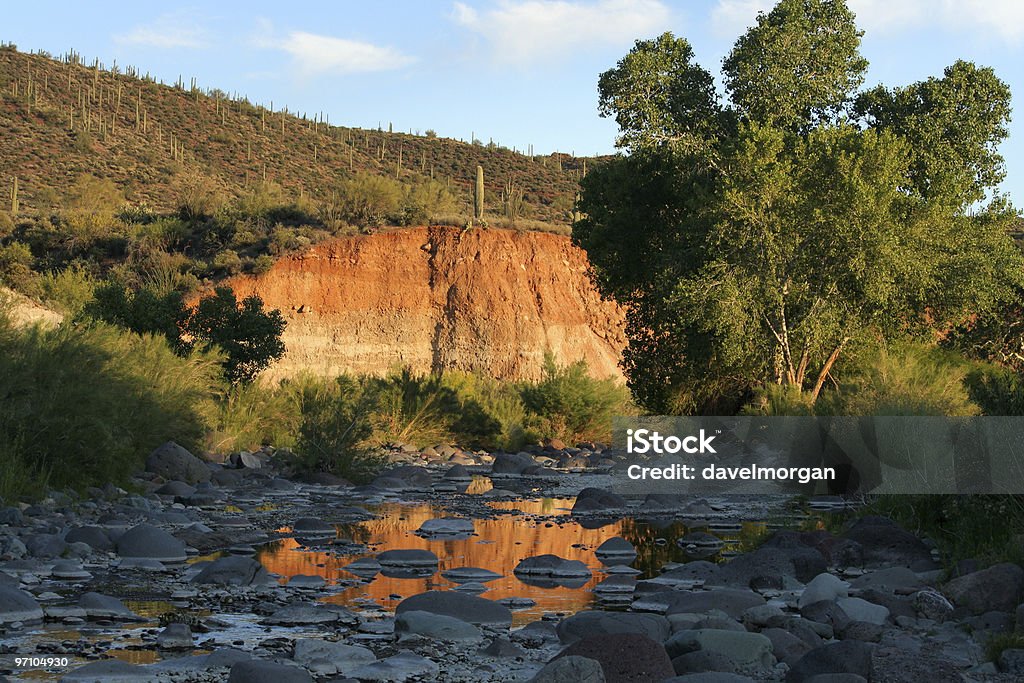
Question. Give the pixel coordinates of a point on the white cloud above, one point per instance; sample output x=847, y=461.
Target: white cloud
x=315, y=54
x=730, y=18
x=167, y=31
x=1001, y=18
x=521, y=31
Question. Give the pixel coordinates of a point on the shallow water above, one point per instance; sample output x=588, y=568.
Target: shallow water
x=532, y=527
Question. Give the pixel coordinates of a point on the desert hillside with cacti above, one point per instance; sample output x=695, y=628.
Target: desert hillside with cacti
x=64, y=117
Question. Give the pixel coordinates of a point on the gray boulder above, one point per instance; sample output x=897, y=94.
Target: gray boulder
x=172, y=462
x=823, y=587
x=17, y=606
x=624, y=657
x=592, y=623
x=593, y=499
x=1000, y=588
x=710, y=677
x=109, y=671
x=743, y=649
x=261, y=671
x=93, y=536
x=571, y=669
x=413, y=558
x=885, y=544
x=469, y=608
x=313, y=527
x=308, y=614
x=99, y=606
x=400, y=667
x=413, y=623
x=307, y=581
x=512, y=463
x=615, y=551
x=785, y=646
x=864, y=611
x=328, y=658
x=176, y=488
x=175, y=637
x=553, y=566
x=446, y=527
x=844, y=657
x=146, y=541
x=733, y=602
x=470, y=575
x=233, y=570
x=45, y=546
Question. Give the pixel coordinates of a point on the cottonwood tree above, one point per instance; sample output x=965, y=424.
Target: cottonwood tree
x=755, y=240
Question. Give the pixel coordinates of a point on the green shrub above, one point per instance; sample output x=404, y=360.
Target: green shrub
x=248, y=416
x=142, y=311
x=199, y=196
x=986, y=528
x=16, y=262
x=570, y=404
x=492, y=414
x=997, y=390
x=68, y=290
x=426, y=200
x=777, y=399
x=997, y=642
x=905, y=380
x=262, y=264
x=335, y=426
x=369, y=200
x=228, y=261
x=84, y=406
x=6, y=224
x=410, y=408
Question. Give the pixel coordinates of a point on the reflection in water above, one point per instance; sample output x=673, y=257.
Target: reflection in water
x=499, y=545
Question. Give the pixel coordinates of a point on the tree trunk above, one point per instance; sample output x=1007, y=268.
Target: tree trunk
x=823, y=375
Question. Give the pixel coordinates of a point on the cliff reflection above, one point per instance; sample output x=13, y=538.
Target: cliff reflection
x=499, y=545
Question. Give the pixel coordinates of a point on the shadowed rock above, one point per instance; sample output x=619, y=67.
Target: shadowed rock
x=234, y=570
x=570, y=669
x=999, y=588
x=624, y=657
x=146, y=541
x=172, y=462
x=591, y=623
x=260, y=671
x=18, y=605
x=469, y=608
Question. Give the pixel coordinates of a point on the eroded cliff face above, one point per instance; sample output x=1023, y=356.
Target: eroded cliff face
x=437, y=298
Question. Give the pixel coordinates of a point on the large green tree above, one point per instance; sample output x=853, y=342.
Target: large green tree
x=756, y=241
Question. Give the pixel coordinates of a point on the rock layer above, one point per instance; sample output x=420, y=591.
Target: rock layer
x=439, y=298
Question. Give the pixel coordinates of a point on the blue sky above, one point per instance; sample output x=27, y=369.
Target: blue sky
x=518, y=71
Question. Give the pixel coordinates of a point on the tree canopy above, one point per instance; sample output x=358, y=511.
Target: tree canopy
x=248, y=336
x=756, y=240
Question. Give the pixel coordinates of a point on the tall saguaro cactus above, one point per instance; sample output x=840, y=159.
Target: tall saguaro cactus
x=478, y=194
x=14, y=197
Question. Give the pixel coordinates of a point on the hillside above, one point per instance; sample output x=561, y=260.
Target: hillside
x=491, y=301
x=62, y=118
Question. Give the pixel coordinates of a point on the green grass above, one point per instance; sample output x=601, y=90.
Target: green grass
x=83, y=406
x=1002, y=641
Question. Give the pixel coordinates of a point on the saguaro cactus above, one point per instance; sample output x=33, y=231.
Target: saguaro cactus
x=14, y=197
x=478, y=194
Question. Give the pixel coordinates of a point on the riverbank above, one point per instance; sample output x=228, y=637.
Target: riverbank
x=462, y=566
